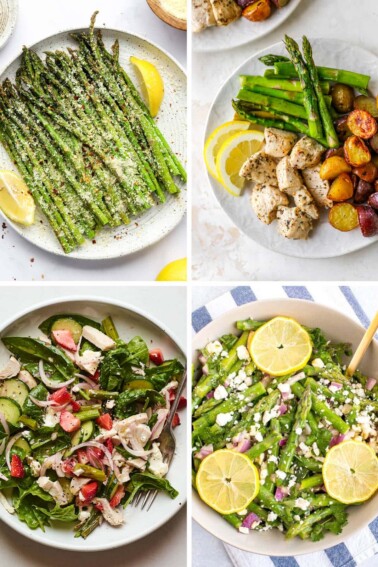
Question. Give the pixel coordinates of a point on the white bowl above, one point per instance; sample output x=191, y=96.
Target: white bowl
x=129, y=321
x=337, y=327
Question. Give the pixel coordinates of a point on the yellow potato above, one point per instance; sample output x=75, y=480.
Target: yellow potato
x=333, y=167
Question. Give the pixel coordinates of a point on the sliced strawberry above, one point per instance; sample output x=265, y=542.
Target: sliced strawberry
x=109, y=445
x=115, y=501
x=182, y=403
x=17, y=468
x=96, y=376
x=172, y=394
x=105, y=421
x=68, y=466
x=61, y=396
x=88, y=492
x=64, y=339
x=156, y=356
x=176, y=420
x=69, y=422
x=75, y=405
x=82, y=456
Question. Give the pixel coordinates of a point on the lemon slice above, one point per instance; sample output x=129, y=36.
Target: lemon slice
x=350, y=472
x=280, y=347
x=15, y=200
x=217, y=138
x=152, y=84
x=227, y=481
x=174, y=272
x=231, y=156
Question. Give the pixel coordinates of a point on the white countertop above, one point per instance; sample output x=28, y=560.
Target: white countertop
x=220, y=250
x=38, y=19
x=167, y=546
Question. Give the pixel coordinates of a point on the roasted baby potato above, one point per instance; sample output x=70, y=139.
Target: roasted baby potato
x=374, y=143
x=368, y=220
x=341, y=126
x=333, y=166
x=373, y=201
x=342, y=188
x=342, y=98
x=367, y=172
x=280, y=3
x=367, y=103
x=334, y=152
x=356, y=152
x=363, y=191
x=344, y=217
x=258, y=11
x=362, y=124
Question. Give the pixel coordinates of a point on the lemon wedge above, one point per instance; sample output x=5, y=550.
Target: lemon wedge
x=15, y=200
x=217, y=138
x=152, y=84
x=231, y=156
x=280, y=346
x=350, y=472
x=227, y=481
x=174, y=272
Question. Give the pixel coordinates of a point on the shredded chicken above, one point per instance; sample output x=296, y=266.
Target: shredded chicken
x=11, y=369
x=88, y=361
x=97, y=338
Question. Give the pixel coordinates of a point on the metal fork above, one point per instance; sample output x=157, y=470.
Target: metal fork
x=167, y=447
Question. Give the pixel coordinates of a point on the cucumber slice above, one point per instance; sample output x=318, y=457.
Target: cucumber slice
x=68, y=325
x=10, y=409
x=84, y=433
x=138, y=385
x=66, y=486
x=15, y=390
x=23, y=444
x=46, y=325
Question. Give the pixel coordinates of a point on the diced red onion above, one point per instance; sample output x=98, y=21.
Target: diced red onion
x=204, y=452
x=99, y=446
x=250, y=519
x=210, y=395
x=370, y=383
x=92, y=384
x=42, y=403
x=336, y=385
x=282, y=409
x=296, y=378
x=4, y=423
x=336, y=440
x=280, y=493
x=282, y=442
x=243, y=445
x=285, y=395
x=49, y=383
x=9, y=447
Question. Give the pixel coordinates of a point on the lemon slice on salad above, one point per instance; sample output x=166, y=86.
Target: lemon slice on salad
x=280, y=346
x=350, y=472
x=152, y=84
x=217, y=138
x=15, y=200
x=231, y=156
x=227, y=481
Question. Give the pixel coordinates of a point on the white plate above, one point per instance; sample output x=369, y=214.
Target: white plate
x=159, y=221
x=8, y=18
x=338, y=328
x=241, y=32
x=139, y=523
x=324, y=241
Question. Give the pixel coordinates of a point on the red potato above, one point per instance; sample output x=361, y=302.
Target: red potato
x=362, y=124
x=373, y=201
x=376, y=185
x=373, y=142
x=341, y=125
x=356, y=152
x=367, y=172
x=368, y=220
x=363, y=191
x=334, y=152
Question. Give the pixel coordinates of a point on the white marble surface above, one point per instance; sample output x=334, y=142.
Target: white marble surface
x=220, y=250
x=167, y=546
x=38, y=19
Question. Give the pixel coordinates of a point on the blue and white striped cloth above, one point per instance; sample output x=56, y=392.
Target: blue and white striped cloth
x=359, y=303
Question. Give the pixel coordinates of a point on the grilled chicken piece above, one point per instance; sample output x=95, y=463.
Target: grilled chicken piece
x=306, y=153
x=317, y=186
x=293, y=223
x=202, y=15
x=260, y=168
x=278, y=143
x=265, y=200
x=225, y=11
x=289, y=179
x=304, y=201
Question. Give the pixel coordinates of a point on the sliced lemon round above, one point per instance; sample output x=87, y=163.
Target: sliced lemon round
x=175, y=271
x=227, y=481
x=280, y=346
x=231, y=156
x=152, y=84
x=217, y=138
x=350, y=472
x=16, y=201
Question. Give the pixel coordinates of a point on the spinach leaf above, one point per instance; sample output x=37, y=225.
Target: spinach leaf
x=30, y=409
x=43, y=446
x=147, y=481
x=117, y=364
x=138, y=351
x=159, y=376
x=126, y=402
x=31, y=350
x=31, y=514
x=62, y=514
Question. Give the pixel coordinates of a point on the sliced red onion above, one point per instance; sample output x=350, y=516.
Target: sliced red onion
x=3, y=477
x=50, y=462
x=202, y=358
x=370, y=383
x=250, y=519
x=49, y=383
x=42, y=403
x=281, y=493
x=282, y=409
x=285, y=396
x=99, y=446
x=9, y=447
x=336, y=440
x=2, y=446
x=210, y=395
x=92, y=384
x=204, y=452
x=205, y=369
x=93, y=459
x=336, y=385
x=282, y=442
x=4, y=423
x=159, y=425
x=243, y=446
x=81, y=386
x=296, y=378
